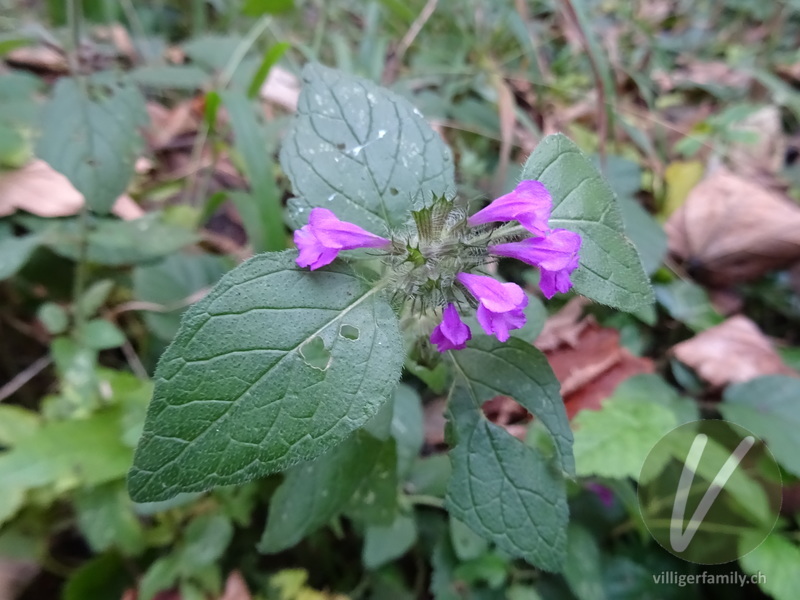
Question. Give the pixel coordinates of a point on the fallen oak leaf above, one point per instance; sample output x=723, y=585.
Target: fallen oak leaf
x=732, y=352
x=731, y=229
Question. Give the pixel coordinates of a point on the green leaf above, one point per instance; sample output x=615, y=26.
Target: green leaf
x=774, y=565
x=94, y=297
x=104, y=576
x=645, y=232
x=99, y=334
x=238, y=394
x=375, y=500
x=161, y=575
x=113, y=242
x=443, y=584
x=768, y=406
x=652, y=388
x=68, y=453
x=312, y=494
x=212, y=51
x=171, y=283
x=171, y=77
x=385, y=543
x=256, y=8
x=429, y=476
x=504, y=490
x=11, y=500
x=582, y=569
x=271, y=57
x=207, y=537
x=516, y=369
x=408, y=427
x=106, y=519
x=256, y=149
x=53, y=317
x=615, y=440
x=749, y=497
x=361, y=151
x=15, y=252
x=610, y=269
x=467, y=544
x=17, y=423
x=90, y=135
x=688, y=303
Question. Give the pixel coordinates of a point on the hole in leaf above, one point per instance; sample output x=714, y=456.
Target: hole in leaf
x=340, y=146
x=349, y=332
x=394, y=191
x=315, y=355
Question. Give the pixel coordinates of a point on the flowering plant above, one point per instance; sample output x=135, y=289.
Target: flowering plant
x=462, y=243
x=292, y=362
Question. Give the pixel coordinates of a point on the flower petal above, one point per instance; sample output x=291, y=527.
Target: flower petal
x=530, y=204
x=452, y=333
x=325, y=236
x=496, y=296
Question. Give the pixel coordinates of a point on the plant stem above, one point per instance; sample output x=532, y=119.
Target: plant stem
x=199, y=183
x=426, y=501
x=74, y=18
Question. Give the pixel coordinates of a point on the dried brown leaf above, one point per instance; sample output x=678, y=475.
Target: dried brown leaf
x=281, y=88
x=236, y=588
x=435, y=421
x=767, y=154
x=39, y=58
x=564, y=327
x=39, y=189
x=588, y=360
x=731, y=229
x=732, y=352
x=14, y=576
x=702, y=73
x=166, y=124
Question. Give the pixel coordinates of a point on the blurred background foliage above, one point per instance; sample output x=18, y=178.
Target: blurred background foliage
x=691, y=109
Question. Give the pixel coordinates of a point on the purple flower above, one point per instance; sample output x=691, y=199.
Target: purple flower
x=500, y=304
x=530, y=204
x=604, y=494
x=325, y=236
x=556, y=255
x=451, y=333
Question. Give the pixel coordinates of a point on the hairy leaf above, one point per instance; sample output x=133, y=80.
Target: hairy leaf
x=266, y=371
x=768, y=406
x=491, y=368
x=361, y=151
x=313, y=493
x=504, y=490
x=610, y=270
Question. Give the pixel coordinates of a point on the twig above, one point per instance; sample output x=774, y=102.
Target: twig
x=412, y=33
x=602, y=92
x=113, y=313
x=133, y=360
x=74, y=17
x=24, y=377
x=198, y=185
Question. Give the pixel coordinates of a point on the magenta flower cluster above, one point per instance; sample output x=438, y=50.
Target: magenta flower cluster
x=500, y=305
